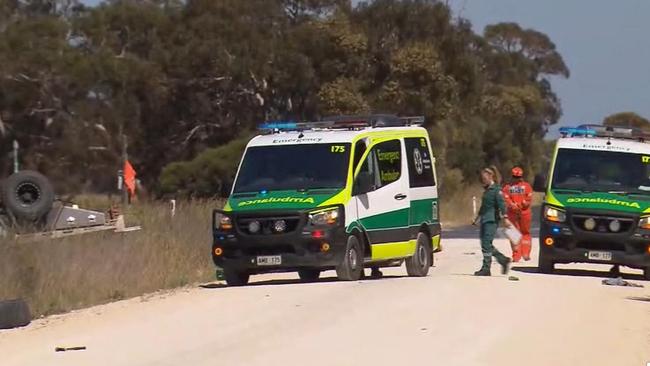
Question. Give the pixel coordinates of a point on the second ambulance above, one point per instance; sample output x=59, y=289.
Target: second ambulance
x=597, y=203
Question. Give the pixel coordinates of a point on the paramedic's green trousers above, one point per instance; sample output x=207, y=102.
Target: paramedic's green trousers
x=488, y=230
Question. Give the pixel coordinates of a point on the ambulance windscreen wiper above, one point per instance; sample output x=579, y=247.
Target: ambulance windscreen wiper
x=310, y=189
x=640, y=191
x=622, y=193
x=244, y=194
x=571, y=191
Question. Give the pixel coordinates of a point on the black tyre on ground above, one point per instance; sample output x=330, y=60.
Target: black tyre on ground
x=235, y=278
x=418, y=264
x=351, y=267
x=309, y=274
x=14, y=313
x=27, y=195
x=545, y=264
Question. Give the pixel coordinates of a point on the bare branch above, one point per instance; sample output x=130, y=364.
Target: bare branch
x=41, y=110
x=191, y=134
x=3, y=129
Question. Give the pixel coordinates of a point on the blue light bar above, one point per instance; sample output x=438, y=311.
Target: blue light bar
x=579, y=131
x=342, y=122
x=278, y=125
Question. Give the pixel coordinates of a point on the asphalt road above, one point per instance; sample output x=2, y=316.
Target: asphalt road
x=448, y=318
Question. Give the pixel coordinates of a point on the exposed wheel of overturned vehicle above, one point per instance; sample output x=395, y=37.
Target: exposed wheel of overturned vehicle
x=14, y=313
x=27, y=195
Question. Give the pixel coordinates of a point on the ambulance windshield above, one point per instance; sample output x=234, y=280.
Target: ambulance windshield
x=606, y=171
x=288, y=167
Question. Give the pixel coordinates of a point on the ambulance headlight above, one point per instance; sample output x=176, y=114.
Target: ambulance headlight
x=221, y=222
x=329, y=216
x=554, y=214
x=644, y=223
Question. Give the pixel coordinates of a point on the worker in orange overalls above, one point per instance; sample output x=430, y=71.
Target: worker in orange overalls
x=519, y=196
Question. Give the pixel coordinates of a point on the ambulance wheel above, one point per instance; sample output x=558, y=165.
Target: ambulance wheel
x=351, y=267
x=418, y=264
x=309, y=274
x=544, y=264
x=14, y=314
x=235, y=278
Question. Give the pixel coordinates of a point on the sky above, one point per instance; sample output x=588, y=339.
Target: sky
x=605, y=44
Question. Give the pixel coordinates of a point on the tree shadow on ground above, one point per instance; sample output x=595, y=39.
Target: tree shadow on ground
x=580, y=273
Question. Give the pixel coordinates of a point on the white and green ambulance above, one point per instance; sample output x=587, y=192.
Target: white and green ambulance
x=597, y=203
x=344, y=194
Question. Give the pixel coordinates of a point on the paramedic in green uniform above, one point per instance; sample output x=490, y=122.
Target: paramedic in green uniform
x=493, y=209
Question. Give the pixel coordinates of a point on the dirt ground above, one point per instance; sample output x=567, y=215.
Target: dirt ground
x=448, y=318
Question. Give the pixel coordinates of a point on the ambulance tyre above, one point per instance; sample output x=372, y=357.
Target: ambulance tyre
x=309, y=274
x=418, y=264
x=351, y=267
x=235, y=278
x=544, y=264
x=14, y=314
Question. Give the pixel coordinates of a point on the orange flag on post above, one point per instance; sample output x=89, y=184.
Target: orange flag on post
x=129, y=177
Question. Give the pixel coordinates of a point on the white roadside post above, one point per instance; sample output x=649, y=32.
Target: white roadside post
x=15, y=155
x=173, y=207
x=474, y=205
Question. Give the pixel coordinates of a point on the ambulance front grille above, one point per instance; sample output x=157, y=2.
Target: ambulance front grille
x=603, y=223
x=266, y=225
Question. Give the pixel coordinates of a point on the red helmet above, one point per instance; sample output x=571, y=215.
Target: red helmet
x=517, y=172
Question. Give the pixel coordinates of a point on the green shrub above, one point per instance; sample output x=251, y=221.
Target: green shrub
x=206, y=175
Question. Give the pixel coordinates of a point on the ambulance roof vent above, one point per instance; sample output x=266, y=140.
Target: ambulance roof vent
x=343, y=122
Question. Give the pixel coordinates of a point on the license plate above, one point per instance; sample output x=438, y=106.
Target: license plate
x=600, y=256
x=269, y=260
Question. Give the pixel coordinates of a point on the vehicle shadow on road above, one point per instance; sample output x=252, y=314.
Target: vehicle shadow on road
x=297, y=281
x=579, y=273
x=212, y=286
x=639, y=298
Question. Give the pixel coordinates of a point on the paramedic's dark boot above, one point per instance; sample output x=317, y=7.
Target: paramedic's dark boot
x=505, y=265
x=375, y=273
x=503, y=261
x=484, y=271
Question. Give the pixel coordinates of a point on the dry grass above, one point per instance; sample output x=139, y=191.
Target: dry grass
x=58, y=276
x=456, y=209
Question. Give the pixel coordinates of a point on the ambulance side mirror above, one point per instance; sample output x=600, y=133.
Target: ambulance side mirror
x=363, y=183
x=539, y=184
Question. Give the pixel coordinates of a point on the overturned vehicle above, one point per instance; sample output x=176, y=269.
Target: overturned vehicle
x=30, y=211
